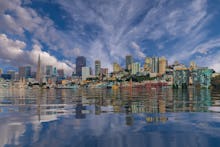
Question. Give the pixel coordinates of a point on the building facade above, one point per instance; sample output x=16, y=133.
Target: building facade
x=181, y=78
x=97, y=67
x=80, y=62
x=129, y=61
x=135, y=68
x=202, y=77
x=116, y=67
x=162, y=65
x=85, y=73
x=155, y=65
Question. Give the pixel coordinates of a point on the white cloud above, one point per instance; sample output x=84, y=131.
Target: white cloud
x=13, y=52
x=112, y=26
x=10, y=49
x=137, y=50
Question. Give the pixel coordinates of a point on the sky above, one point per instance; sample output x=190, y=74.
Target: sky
x=108, y=30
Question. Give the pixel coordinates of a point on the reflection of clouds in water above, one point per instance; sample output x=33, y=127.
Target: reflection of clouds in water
x=55, y=123
x=108, y=130
x=10, y=133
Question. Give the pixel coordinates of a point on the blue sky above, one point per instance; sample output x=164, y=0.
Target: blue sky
x=61, y=30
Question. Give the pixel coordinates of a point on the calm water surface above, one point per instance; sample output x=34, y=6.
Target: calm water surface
x=112, y=118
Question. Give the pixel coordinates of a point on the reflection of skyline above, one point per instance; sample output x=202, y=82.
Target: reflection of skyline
x=41, y=111
x=137, y=100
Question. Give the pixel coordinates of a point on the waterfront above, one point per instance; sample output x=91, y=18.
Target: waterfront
x=107, y=117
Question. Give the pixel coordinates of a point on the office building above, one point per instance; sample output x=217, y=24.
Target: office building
x=104, y=71
x=60, y=73
x=49, y=70
x=27, y=72
x=155, y=65
x=97, y=68
x=162, y=65
x=12, y=73
x=116, y=67
x=129, y=61
x=80, y=62
x=21, y=71
x=54, y=71
x=85, y=73
x=135, y=68
x=148, y=64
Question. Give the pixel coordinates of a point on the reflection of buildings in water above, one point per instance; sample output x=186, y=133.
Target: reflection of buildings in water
x=128, y=112
x=162, y=106
x=129, y=120
x=138, y=107
x=79, y=110
x=189, y=100
x=156, y=119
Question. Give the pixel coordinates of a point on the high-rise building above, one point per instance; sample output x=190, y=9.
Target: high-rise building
x=104, y=71
x=162, y=65
x=49, y=70
x=135, y=68
x=85, y=72
x=54, y=71
x=129, y=61
x=24, y=72
x=60, y=73
x=155, y=65
x=38, y=74
x=21, y=71
x=116, y=67
x=148, y=64
x=97, y=67
x=80, y=62
x=27, y=72
x=12, y=73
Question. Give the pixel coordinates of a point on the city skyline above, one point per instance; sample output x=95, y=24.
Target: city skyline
x=60, y=31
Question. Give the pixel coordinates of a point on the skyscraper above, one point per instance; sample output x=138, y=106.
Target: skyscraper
x=116, y=67
x=80, y=62
x=12, y=73
x=24, y=72
x=85, y=72
x=162, y=65
x=148, y=64
x=97, y=67
x=27, y=72
x=104, y=71
x=60, y=73
x=129, y=61
x=155, y=65
x=49, y=70
x=135, y=68
x=21, y=71
x=38, y=74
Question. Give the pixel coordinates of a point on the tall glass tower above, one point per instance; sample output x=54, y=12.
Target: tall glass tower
x=80, y=62
x=129, y=61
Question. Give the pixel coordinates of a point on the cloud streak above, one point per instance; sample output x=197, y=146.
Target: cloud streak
x=109, y=30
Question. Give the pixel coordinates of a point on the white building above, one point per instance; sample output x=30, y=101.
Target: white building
x=135, y=68
x=85, y=73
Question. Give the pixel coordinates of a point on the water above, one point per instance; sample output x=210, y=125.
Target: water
x=112, y=118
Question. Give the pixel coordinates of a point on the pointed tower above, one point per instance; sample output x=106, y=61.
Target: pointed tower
x=38, y=76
